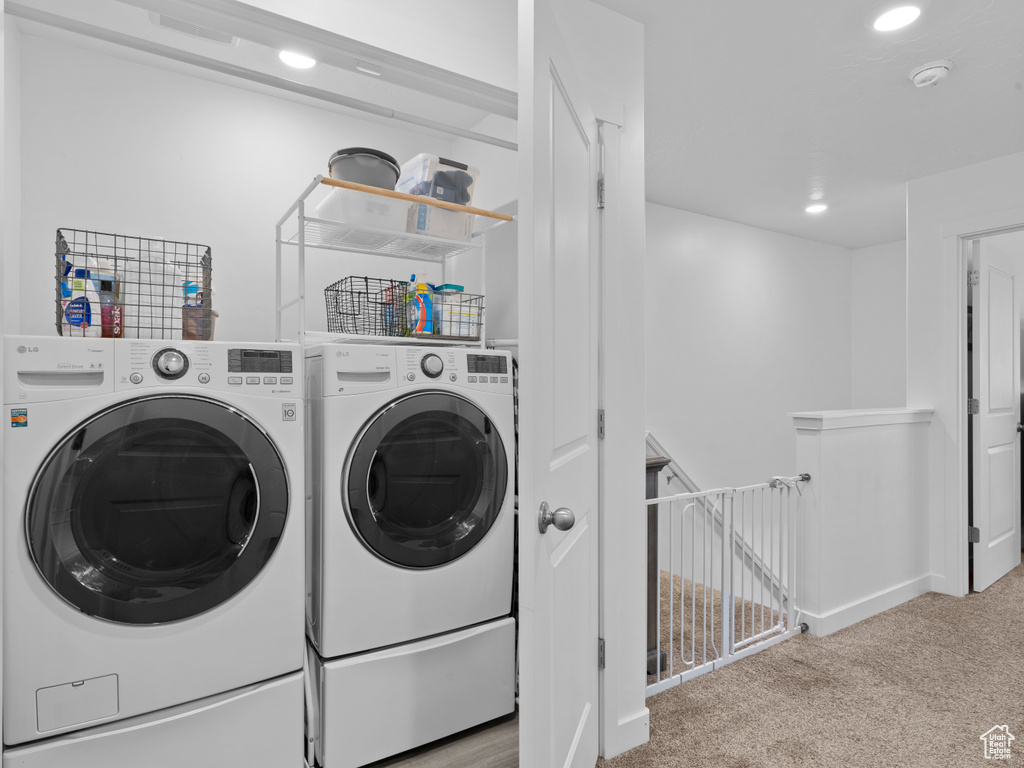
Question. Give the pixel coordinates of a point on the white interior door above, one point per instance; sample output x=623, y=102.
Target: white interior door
x=558, y=327
x=996, y=442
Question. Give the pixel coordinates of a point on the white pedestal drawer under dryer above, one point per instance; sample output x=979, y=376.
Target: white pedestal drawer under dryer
x=410, y=537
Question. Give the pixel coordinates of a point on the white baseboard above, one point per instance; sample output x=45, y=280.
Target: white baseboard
x=946, y=586
x=629, y=733
x=849, y=614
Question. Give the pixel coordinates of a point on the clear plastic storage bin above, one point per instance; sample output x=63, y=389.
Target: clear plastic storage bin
x=364, y=210
x=438, y=177
x=442, y=179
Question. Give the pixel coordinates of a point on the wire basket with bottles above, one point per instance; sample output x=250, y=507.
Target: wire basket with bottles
x=122, y=286
x=370, y=306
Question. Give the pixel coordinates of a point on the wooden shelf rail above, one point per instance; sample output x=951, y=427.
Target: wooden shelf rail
x=416, y=199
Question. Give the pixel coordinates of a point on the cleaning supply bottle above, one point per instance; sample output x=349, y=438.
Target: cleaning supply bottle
x=192, y=325
x=81, y=313
x=111, y=317
x=420, y=310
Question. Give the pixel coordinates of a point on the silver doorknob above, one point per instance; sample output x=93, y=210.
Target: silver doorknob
x=562, y=518
x=1020, y=427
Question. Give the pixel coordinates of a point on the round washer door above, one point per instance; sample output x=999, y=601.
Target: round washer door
x=157, y=510
x=425, y=480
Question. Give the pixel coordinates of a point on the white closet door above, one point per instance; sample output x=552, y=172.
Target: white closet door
x=996, y=442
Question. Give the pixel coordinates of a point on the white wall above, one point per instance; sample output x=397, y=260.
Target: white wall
x=12, y=174
x=743, y=327
x=5, y=226
x=861, y=514
x=115, y=146
x=939, y=208
x=878, y=324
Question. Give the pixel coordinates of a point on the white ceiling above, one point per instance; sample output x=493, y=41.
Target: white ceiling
x=753, y=107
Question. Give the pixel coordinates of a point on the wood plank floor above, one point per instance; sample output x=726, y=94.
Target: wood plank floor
x=491, y=745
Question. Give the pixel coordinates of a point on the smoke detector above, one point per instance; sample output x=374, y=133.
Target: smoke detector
x=931, y=74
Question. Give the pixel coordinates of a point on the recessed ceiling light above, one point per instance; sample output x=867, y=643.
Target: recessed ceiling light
x=297, y=60
x=816, y=208
x=897, y=18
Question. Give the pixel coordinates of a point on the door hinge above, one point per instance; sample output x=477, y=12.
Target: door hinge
x=973, y=406
x=973, y=534
x=600, y=193
x=973, y=278
x=600, y=653
x=600, y=424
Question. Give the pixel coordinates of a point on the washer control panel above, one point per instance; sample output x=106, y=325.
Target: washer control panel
x=264, y=370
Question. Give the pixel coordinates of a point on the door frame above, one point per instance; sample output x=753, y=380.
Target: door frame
x=956, y=238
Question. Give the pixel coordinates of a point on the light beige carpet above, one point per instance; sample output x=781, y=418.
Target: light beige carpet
x=913, y=687
x=696, y=623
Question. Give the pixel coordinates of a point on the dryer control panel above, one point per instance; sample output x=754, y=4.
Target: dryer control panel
x=489, y=370
x=354, y=369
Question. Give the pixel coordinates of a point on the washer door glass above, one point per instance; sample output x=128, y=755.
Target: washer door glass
x=157, y=510
x=425, y=480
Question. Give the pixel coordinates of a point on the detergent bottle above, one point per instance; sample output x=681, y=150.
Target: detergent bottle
x=420, y=309
x=82, y=315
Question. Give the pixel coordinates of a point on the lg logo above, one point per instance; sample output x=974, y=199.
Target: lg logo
x=22, y=349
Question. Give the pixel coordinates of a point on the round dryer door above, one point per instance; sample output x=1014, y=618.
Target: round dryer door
x=157, y=510
x=425, y=480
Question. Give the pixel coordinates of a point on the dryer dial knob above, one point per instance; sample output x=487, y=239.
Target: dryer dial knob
x=432, y=365
x=170, y=364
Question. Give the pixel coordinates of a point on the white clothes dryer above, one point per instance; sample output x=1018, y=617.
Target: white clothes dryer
x=411, y=542
x=411, y=460
x=153, y=526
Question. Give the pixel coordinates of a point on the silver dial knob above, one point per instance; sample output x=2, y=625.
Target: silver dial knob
x=432, y=365
x=170, y=363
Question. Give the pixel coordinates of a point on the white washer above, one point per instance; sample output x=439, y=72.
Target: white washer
x=153, y=528
x=411, y=543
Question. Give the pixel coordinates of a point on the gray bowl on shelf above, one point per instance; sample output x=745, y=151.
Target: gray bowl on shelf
x=364, y=166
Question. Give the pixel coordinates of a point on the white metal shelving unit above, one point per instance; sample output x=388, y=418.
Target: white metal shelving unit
x=297, y=230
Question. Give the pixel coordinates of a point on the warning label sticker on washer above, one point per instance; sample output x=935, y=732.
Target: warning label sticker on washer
x=19, y=417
